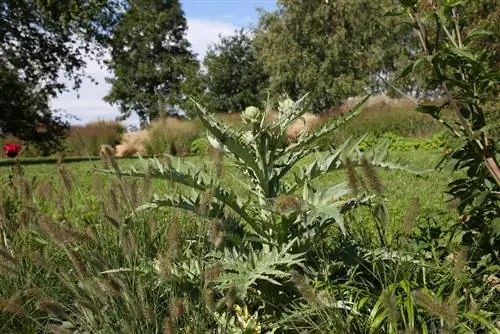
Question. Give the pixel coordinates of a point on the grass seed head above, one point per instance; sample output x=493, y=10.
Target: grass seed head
x=209, y=298
x=206, y=201
x=10, y=306
x=216, y=235
x=307, y=292
x=372, y=176
x=111, y=285
x=177, y=309
x=352, y=177
x=78, y=263
x=390, y=304
x=52, y=307
x=213, y=272
x=446, y=310
x=286, y=203
x=232, y=297
x=168, y=326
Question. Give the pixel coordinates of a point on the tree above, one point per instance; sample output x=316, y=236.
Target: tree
x=25, y=113
x=40, y=42
x=234, y=78
x=332, y=49
x=150, y=59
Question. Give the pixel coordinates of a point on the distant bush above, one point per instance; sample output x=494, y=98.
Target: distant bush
x=200, y=146
x=87, y=140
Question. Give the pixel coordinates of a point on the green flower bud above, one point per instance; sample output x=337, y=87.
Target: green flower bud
x=285, y=104
x=251, y=114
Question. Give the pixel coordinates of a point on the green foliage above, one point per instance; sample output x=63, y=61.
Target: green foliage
x=381, y=121
x=438, y=141
x=26, y=113
x=150, y=64
x=331, y=50
x=43, y=41
x=200, y=146
x=464, y=73
x=281, y=220
x=266, y=238
x=148, y=266
x=234, y=78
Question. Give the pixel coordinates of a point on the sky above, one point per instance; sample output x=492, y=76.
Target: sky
x=206, y=20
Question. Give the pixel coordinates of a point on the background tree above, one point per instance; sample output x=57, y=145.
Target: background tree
x=25, y=113
x=150, y=59
x=39, y=41
x=331, y=49
x=234, y=78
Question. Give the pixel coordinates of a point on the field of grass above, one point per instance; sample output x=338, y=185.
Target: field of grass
x=84, y=181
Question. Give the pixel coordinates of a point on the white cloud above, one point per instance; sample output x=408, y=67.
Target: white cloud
x=90, y=106
x=203, y=32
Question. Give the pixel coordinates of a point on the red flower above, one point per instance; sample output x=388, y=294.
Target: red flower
x=12, y=150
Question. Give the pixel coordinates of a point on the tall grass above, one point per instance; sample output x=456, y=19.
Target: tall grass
x=76, y=255
x=172, y=136
x=382, y=115
x=86, y=140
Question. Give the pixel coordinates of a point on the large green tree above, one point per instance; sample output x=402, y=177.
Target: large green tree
x=41, y=42
x=151, y=59
x=332, y=49
x=234, y=78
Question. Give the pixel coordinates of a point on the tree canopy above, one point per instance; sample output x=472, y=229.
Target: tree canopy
x=40, y=43
x=331, y=49
x=150, y=58
x=234, y=78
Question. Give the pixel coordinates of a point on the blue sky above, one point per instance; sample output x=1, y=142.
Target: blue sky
x=206, y=20
x=238, y=12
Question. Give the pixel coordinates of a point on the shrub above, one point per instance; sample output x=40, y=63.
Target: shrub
x=201, y=146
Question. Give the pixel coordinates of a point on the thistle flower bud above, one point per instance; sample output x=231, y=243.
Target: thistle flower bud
x=285, y=105
x=251, y=115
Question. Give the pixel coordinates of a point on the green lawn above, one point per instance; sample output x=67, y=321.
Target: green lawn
x=400, y=187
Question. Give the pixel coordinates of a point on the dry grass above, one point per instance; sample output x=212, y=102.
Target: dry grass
x=172, y=135
x=381, y=114
x=376, y=103
x=87, y=140
x=306, y=123
x=132, y=143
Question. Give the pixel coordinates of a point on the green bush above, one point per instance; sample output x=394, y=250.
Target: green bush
x=200, y=146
